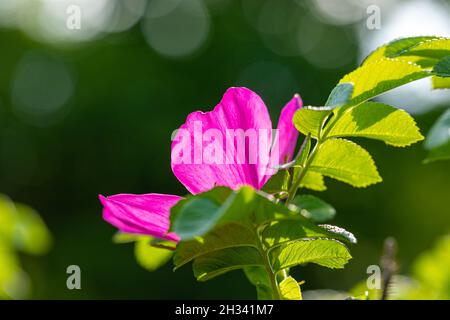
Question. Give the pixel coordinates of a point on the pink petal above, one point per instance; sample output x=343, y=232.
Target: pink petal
x=140, y=213
x=240, y=108
x=285, y=139
x=287, y=133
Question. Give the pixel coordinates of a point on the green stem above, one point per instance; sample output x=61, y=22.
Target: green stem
x=321, y=138
x=272, y=276
x=296, y=184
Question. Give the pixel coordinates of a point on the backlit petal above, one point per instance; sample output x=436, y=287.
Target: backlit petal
x=140, y=213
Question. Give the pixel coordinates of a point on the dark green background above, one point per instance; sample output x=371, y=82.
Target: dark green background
x=116, y=138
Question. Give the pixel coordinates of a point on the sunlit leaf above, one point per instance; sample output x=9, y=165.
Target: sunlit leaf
x=375, y=78
x=436, y=49
x=377, y=121
x=346, y=161
x=150, y=257
x=395, y=47
x=310, y=120
x=440, y=83
x=122, y=237
x=290, y=289
x=313, y=181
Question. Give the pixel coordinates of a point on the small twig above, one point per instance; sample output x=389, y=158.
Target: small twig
x=388, y=265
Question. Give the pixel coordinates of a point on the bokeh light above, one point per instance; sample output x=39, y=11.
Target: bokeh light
x=176, y=28
x=46, y=20
x=41, y=88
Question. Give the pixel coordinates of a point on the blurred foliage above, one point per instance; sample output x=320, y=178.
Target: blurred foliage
x=429, y=280
x=430, y=274
x=21, y=230
x=147, y=255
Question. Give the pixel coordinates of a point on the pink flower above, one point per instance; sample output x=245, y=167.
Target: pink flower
x=204, y=155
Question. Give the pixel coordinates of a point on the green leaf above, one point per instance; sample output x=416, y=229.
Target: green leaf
x=260, y=279
x=425, y=51
x=439, y=153
x=438, y=140
x=196, y=218
x=229, y=235
x=290, y=289
x=200, y=214
x=305, y=150
x=283, y=231
x=340, y=95
x=395, y=47
x=217, y=195
x=432, y=49
x=339, y=233
x=122, y=237
x=440, y=83
x=279, y=182
x=309, y=120
x=324, y=252
x=375, y=78
x=377, y=121
x=313, y=181
x=442, y=68
x=218, y=262
x=314, y=208
x=440, y=132
x=345, y=161
x=148, y=256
